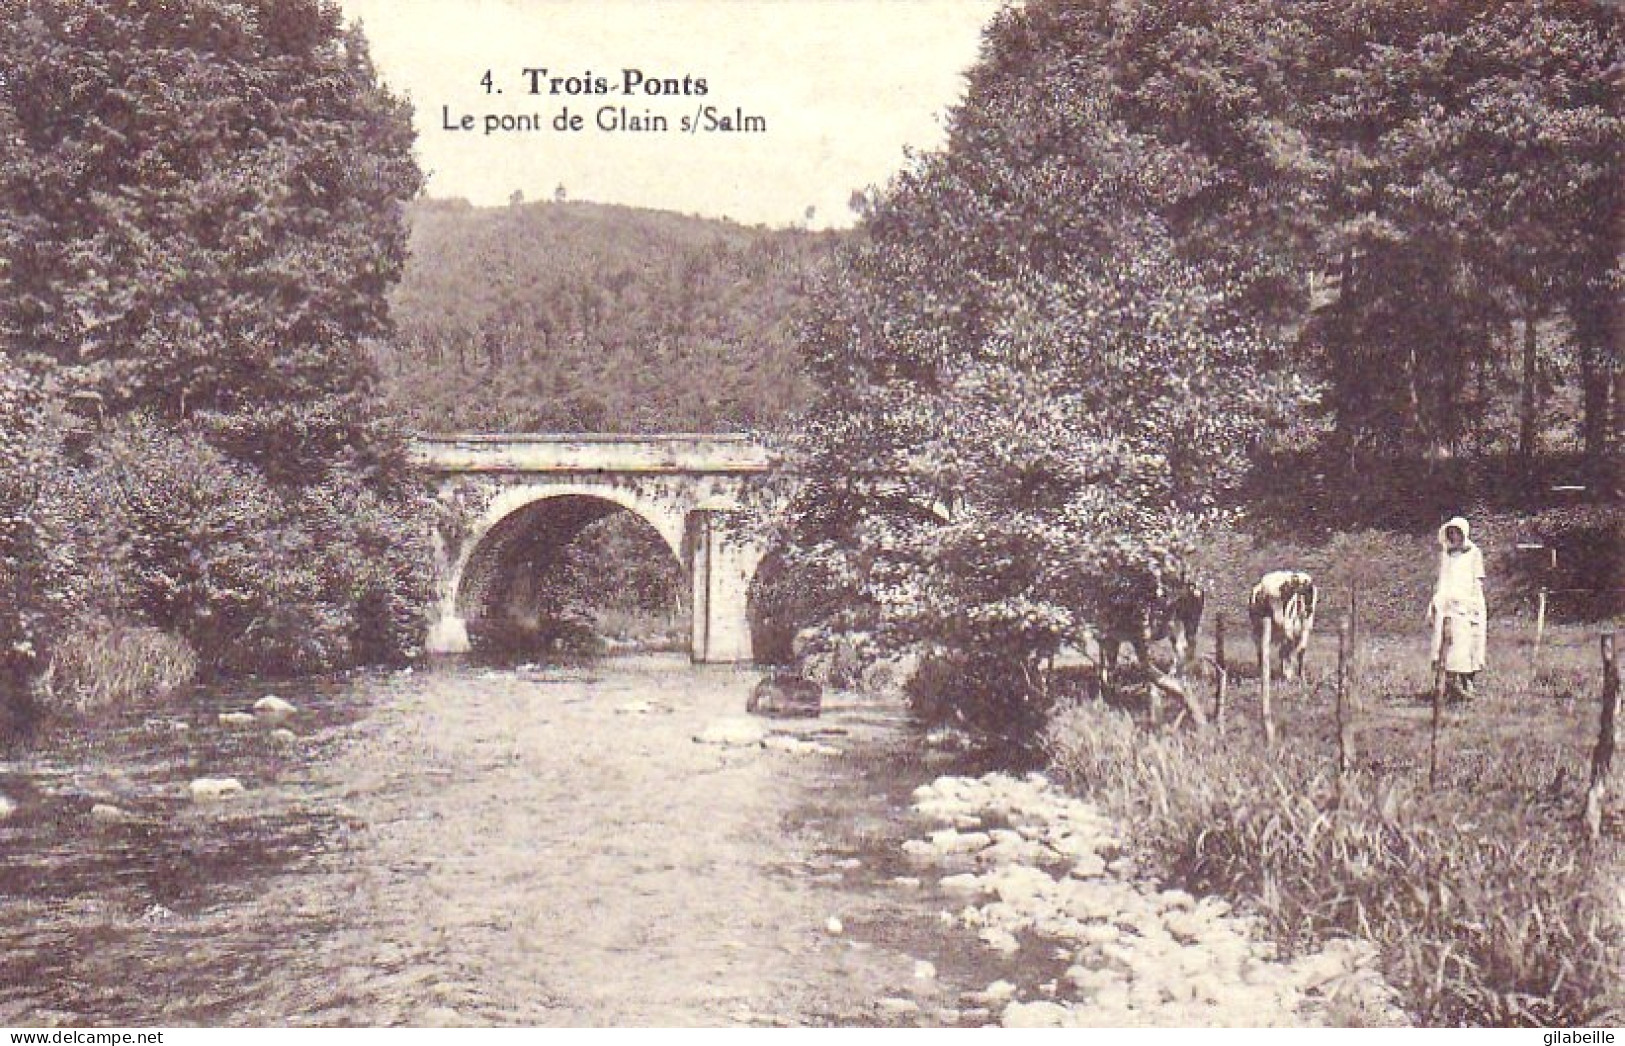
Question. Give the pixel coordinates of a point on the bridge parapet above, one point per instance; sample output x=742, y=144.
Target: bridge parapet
x=681, y=454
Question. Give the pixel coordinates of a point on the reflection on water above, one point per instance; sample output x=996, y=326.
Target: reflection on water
x=470, y=846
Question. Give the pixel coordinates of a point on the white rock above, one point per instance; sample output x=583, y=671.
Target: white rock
x=919, y=849
x=1089, y=866
x=208, y=789
x=1020, y=884
x=923, y=970
x=7, y=808
x=908, y=882
x=635, y=708
x=156, y=913
x=236, y=719
x=995, y=994
x=965, y=884
x=952, y=841
x=834, y=925
x=1099, y=933
x=894, y=1007
x=1175, y=900
x=107, y=813
x=735, y=731
x=273, y=709
x=1000, y=940
x=284, y=736
x=796, y=746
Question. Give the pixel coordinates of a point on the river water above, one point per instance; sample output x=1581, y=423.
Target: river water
x=474, y=846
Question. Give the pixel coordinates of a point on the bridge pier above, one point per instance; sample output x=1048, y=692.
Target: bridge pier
x=448, y=634
x=721, y=564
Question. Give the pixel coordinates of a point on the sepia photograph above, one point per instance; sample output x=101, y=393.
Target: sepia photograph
x=835, y=514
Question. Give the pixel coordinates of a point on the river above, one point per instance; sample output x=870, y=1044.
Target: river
x=476, y=846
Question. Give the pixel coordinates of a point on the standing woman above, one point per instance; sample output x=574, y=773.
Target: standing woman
x=1459, y=598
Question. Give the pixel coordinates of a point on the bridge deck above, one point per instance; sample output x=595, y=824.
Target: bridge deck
x=681, y=453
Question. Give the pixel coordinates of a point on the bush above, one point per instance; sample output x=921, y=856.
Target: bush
x=973, y=693
x=101, y=664
x=39, y=587
x=1482, y=918
x=254, y=579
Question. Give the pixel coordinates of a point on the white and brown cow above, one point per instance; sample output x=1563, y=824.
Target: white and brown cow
x=1285, y=599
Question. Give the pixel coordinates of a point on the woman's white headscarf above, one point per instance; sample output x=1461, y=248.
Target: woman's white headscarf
x=1461, y=525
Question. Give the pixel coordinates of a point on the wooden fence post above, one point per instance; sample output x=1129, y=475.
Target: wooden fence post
x=1602, y=757
x=1354, y=623
x=1345, y=714
x=1540, y=632
x=1222, y=675
x=1265, y=656
x=1441, y=681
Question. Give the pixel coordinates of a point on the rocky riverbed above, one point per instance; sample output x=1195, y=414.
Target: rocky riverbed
x=1039, y=870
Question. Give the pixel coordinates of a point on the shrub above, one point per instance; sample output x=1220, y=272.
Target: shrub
x=38, y=577
x=255, y=579
x=972, y=693
x=100, y=664
x=1482, y=918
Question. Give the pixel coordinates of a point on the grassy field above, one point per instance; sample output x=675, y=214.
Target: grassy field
x=1489, y=903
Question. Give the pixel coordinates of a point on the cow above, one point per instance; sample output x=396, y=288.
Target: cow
x=1286, y=600
x=1174, y=614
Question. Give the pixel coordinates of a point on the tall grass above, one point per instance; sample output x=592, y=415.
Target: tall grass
x=1487, y=905
x=101, y=664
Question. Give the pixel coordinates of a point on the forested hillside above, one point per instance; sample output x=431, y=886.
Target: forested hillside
x=584, y=317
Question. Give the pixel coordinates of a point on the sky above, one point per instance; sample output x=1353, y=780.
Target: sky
x=840, y=86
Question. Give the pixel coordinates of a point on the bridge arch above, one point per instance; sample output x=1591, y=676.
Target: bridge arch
x=504, y=499
x=524, y=533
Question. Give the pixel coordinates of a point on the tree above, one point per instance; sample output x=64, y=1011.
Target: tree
x=1032, y=402
x=1473, y=182
x=200, y=215
x=200, y=212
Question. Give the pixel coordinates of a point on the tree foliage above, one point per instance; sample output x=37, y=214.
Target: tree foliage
x=1472, y=180
x=201, y=211
x=202, y=205
x=38, y=584
x=1032, y=402
x=573, y=317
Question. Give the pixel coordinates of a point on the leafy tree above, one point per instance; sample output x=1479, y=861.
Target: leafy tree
x=1473, y=181
x=200, y=213
x=202, y=209
x=1032, y=403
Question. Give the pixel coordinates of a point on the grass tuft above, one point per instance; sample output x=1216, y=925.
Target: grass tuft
x=101, y=665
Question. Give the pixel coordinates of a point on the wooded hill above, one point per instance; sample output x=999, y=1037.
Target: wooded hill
x=567, y=316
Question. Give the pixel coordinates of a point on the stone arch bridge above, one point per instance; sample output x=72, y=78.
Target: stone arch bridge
x=507, y=502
